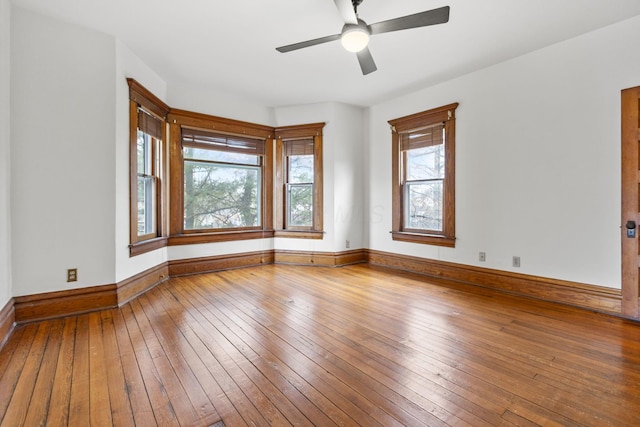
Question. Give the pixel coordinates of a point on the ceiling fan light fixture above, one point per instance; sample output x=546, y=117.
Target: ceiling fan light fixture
x=355, y=38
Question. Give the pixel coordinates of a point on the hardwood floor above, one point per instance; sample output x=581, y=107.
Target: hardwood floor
x=359, y=345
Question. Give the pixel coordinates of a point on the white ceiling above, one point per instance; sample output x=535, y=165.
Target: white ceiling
x=230, y=45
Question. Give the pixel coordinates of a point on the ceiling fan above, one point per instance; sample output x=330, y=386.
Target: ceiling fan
x=355, y=33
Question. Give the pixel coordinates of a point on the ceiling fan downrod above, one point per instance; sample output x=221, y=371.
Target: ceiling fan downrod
x=356, y=3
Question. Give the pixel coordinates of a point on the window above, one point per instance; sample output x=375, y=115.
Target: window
x=221, y=179
x=423, y=177
x=299, y=181
x=147, y=128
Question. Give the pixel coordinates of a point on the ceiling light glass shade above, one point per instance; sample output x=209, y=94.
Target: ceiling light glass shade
x=356, y=39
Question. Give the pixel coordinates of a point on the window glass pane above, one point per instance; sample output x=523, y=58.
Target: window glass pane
x=425, y=163
x=221, y=156
x=423, y=208
x=146, y=205
x=300, y=205
x=144, y=153
x=300, y=169
x=220, y=196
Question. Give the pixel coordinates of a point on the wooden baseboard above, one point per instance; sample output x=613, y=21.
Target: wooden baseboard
x=51, y=305
x=188, y=266
x=130, y=288
x=7, y=321
x=63, y=303
x=323, y=259
x=589, y=297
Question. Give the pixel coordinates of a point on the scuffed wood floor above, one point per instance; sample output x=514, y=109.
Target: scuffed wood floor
x=284, y=345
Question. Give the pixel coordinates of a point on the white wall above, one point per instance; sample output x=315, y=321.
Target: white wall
x=218, y=102
x=348, y=178
x=62, y=154
x=538, y=159
x=129, y=65
x=5, y=164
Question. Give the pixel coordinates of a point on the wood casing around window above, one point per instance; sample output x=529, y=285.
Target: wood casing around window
x=177, y=120
x=445, y=115
x=293, y=133
x=142, y=98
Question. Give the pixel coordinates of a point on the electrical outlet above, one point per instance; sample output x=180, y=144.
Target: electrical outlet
x=482, y=256
x=347, y=244
x=516, y=261
x=72, y=275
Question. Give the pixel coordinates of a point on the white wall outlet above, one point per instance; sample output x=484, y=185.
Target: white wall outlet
x=516, y=261
x=482, y=256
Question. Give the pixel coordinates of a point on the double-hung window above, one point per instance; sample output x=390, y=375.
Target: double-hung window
x=221, y=179
x=299, y=181
x=149, y=137
x=147, y=134
x=299, y=184
x=423, y=177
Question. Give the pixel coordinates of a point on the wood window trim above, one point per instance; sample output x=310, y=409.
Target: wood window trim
x=177, y=120
x=446, y=115
x=142, y=98
x=293, y=133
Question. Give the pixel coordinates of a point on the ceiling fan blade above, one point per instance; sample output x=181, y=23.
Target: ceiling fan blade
x=422, y=19
x=366, y=61
x=308, y=43
x=345, y=7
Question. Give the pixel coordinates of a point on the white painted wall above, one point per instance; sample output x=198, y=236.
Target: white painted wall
x=538, y=159
x=5, y=164
x=348, y=178
x=218, y=102
x=129, y=65
x=62, y=154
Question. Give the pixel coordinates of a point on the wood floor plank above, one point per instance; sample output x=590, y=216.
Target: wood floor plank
x=167, y=333
x=218, y=347
x=276, y=386
x=120, y=404
x=10, y=347
x=352, y=355
x=58, y=413
x=386, y=408
x=291, y=345
x=79, y=406
x=327, y=384
x=41, y=397
x=99, y=401
x=163, y=411
x=198, y=337
x=14, y=365
x=24, y=388
x=135, y=388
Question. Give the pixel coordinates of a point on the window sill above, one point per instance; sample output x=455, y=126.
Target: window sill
x=301, y=234
x=224, y=236
x=427, y=239
x=147, y=246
